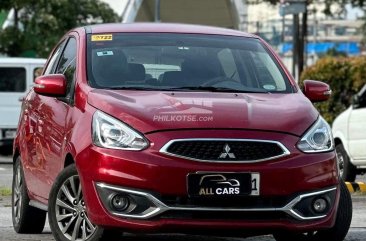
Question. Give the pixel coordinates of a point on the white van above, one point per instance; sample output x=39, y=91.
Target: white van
x=349, y=130
x=16, y=77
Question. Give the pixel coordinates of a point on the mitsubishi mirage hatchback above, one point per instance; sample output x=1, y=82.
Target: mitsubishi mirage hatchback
x=148, y=128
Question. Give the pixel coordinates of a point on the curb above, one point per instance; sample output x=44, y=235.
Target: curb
x=356, y=187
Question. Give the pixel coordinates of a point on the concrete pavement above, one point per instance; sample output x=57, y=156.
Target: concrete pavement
x=6, y=175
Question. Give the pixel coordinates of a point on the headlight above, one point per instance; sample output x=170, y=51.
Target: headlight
x=111, y=133
x=318, y=139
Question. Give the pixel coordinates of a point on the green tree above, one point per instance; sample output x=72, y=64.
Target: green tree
x=39, y=24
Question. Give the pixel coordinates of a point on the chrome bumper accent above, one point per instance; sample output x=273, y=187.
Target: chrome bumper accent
x=160, y=207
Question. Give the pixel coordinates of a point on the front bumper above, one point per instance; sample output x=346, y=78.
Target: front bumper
x=285, y=182
x=154, y=207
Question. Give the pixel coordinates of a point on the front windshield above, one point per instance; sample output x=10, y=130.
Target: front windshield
x=183, y=62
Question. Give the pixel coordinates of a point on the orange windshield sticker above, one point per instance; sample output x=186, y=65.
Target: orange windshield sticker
x=102, y=37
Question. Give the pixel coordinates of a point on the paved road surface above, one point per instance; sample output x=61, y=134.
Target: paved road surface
x=6, y=172
x=357, y=231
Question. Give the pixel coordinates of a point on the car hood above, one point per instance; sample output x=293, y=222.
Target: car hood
x=149, y=111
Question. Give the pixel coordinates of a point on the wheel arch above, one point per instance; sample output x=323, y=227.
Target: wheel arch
x=337, y=141
x=69, y=160
x=15, y=155
x=338, y=135
x=70, y=154
x=339, y=138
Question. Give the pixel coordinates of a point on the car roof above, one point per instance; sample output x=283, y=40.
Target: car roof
x=12, y=60
x=163, y=28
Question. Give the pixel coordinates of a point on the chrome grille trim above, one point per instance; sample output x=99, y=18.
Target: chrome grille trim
x=164, y=149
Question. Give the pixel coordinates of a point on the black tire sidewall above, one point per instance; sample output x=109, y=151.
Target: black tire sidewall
x=32, y=220
x=17, y=225
x=349, y=170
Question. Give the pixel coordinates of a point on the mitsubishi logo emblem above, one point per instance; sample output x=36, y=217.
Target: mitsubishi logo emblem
x=227, y=153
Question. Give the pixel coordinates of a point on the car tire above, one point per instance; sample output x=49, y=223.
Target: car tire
x=67, y=212
x=337, y=233
x=26, y=219
x=348, y=171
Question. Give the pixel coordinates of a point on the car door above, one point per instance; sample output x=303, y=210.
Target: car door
x=357, y=130
x=34, y=166
x=52, y=117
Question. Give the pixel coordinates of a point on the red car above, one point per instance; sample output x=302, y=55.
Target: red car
x=174, y=128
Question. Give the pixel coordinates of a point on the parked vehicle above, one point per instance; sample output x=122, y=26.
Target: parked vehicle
x=16, y=78
x=350, y=138
x=225, y=143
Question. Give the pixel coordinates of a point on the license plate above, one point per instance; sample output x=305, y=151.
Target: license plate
x=10, y=134
x=223, y=184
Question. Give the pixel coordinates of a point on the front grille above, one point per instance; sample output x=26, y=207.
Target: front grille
x=226, y=215
x=225, y=150
x=227, y=202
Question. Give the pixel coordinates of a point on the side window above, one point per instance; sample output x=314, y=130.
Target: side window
x=53, y=60
x=362, y=102
x=362, y=97
x=228, y=64
x=70, y=77
x=68, y=55
x=37, y=72
x=12, y=79
x=67, y=64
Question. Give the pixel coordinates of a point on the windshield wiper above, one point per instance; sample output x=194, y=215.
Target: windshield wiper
x=131, y=88
x=216, y=89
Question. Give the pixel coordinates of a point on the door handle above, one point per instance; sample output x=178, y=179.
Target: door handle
x=21, y=99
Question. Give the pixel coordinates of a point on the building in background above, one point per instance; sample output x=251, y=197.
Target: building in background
x=325, y=33
x=222, y=13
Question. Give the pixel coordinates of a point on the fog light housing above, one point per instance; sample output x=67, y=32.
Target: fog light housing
x=120, y=202
x=139, y=204
x=319, y=205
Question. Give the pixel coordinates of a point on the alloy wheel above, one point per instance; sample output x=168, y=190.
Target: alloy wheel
x=17, y=194
x=71, y=213
x=340, y=161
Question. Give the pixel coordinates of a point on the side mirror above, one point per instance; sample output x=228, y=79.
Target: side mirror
x=355, y=101
x=51, y=85
x=316, y=91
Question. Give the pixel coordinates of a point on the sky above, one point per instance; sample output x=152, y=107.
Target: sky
x=117, y=5
x=353, y=13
